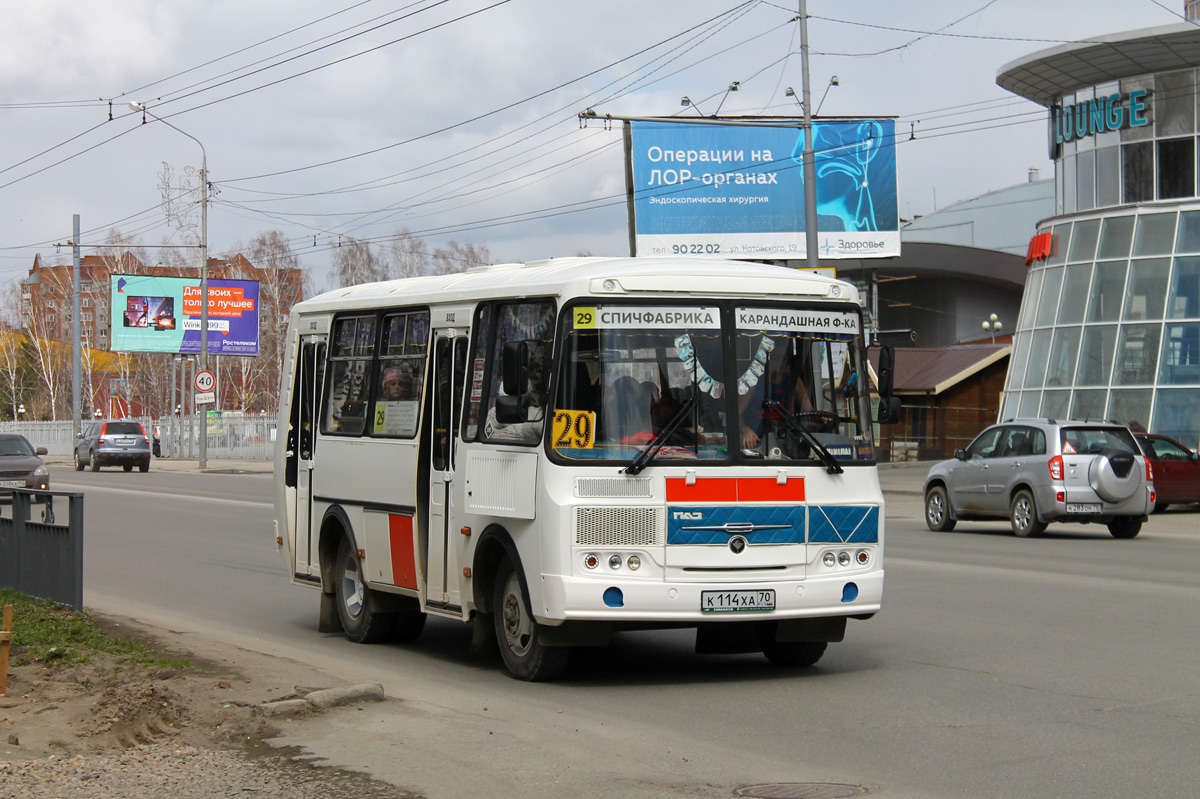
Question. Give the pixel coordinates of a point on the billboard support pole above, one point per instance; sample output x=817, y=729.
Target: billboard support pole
x=809, y=158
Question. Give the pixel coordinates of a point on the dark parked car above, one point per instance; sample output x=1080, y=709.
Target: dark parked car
x=20, y=466
x=113, y=442
x=1176, y=470
x=1036, y=471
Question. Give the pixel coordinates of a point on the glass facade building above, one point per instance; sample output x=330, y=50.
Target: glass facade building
x=1109, y=326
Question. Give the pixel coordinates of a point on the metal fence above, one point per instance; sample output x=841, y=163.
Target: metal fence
x=229, y=436
x=41, y=545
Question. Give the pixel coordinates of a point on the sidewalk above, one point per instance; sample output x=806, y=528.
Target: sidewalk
x=213, y=465
x=904, y=478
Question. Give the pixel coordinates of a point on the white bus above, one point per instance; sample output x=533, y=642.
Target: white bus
x=563, y=449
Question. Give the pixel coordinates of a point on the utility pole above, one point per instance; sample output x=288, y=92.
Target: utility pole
x=808, y=157
x=76, y=333
x=136, y=106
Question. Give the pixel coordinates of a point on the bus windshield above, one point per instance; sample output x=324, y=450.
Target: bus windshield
x=635, y=376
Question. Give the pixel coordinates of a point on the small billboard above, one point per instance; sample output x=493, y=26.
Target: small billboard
x=163, y=314
x=736, y=189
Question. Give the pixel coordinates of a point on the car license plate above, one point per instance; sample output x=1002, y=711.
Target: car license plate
x=12, y=483
x=1083, y=507
x=735, y=601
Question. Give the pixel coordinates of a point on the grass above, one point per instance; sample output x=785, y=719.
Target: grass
x=49, y=633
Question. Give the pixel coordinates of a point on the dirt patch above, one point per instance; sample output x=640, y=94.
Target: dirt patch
x=109, y=713
x=110, y=703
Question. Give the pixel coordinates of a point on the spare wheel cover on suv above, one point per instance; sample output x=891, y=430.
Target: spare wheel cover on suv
x=1114, y=476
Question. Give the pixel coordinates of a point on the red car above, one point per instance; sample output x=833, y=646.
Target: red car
x=1176, y=469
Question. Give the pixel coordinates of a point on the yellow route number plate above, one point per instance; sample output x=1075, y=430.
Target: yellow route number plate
x=574, y=429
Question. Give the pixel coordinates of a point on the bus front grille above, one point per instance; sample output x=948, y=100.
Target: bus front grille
x=619, y=527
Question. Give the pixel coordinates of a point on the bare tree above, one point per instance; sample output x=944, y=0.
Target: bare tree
x=355, y=262
x=455, y=257
x=409, y=255
x=11, y=341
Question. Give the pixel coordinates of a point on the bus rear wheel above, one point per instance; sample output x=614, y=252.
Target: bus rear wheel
x=362, y=624
x=518, y=635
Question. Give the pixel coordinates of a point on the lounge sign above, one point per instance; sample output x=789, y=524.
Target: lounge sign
x=1101, y=115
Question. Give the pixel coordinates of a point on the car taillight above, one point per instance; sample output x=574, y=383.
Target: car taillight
x=103, y=430
x=1149, y=472
x=145, y=437
x=1056, y=467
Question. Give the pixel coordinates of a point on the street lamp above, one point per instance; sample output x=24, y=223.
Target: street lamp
x=21, y=412
x=136, y=106
x=992, y=324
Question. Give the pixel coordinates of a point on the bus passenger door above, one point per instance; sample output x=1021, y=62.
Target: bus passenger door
x=449, y=376
x=306, y=409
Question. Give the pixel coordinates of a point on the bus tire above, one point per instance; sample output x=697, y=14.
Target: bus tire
x=408, y=626
x=518, y=635
x=362, y=624
x=794, y=653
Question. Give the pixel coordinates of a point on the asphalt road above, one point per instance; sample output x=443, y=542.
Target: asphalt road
x=1000, y=667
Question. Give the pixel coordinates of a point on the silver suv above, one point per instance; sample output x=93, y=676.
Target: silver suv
x=1036, y=471
x=113, y=442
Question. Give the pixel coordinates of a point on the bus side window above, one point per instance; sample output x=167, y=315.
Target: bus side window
x=345, y=410
x=532, y=323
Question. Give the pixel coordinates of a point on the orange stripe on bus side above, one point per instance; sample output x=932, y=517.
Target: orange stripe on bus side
x=404, y=565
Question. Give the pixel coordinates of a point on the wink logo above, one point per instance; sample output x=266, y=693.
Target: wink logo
x=689, y=516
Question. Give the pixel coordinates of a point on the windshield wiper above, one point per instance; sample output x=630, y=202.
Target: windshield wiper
x=643, y=458
x=823, y=455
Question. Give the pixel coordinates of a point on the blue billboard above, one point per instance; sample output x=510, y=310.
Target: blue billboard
x=737, y=190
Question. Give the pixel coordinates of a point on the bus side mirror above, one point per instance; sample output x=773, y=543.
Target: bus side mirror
x=514, y=367
x=512, y=409
x=889, y=410
x=887, y=368
x=889, y=405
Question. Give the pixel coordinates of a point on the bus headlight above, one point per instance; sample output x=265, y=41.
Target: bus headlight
x=614, y=562
x=634, y=563
x=862, y=557
x=591, y=561
x=843, y=558
x=830, y=559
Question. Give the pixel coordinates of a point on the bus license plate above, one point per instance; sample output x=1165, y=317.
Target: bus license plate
x=1083, y=507
x=735, y=601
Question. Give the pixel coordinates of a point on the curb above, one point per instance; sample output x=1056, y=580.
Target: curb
x=324, y=699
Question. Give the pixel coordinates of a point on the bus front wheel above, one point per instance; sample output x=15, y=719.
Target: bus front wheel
x=362, y=624
x=518, y=635
x=794, y=653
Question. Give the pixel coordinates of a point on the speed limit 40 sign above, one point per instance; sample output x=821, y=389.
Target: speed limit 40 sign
x=206, y=384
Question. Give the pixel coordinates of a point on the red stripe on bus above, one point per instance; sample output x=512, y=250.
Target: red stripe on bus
x=404, y=564
x=740, y=489
x=768, y=489
x=705, y=489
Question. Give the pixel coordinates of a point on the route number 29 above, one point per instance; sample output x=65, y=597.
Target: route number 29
x=574, y=429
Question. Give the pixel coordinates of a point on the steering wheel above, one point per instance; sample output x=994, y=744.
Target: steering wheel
x=824, y=421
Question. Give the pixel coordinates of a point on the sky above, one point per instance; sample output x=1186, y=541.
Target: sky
x=458, y=119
